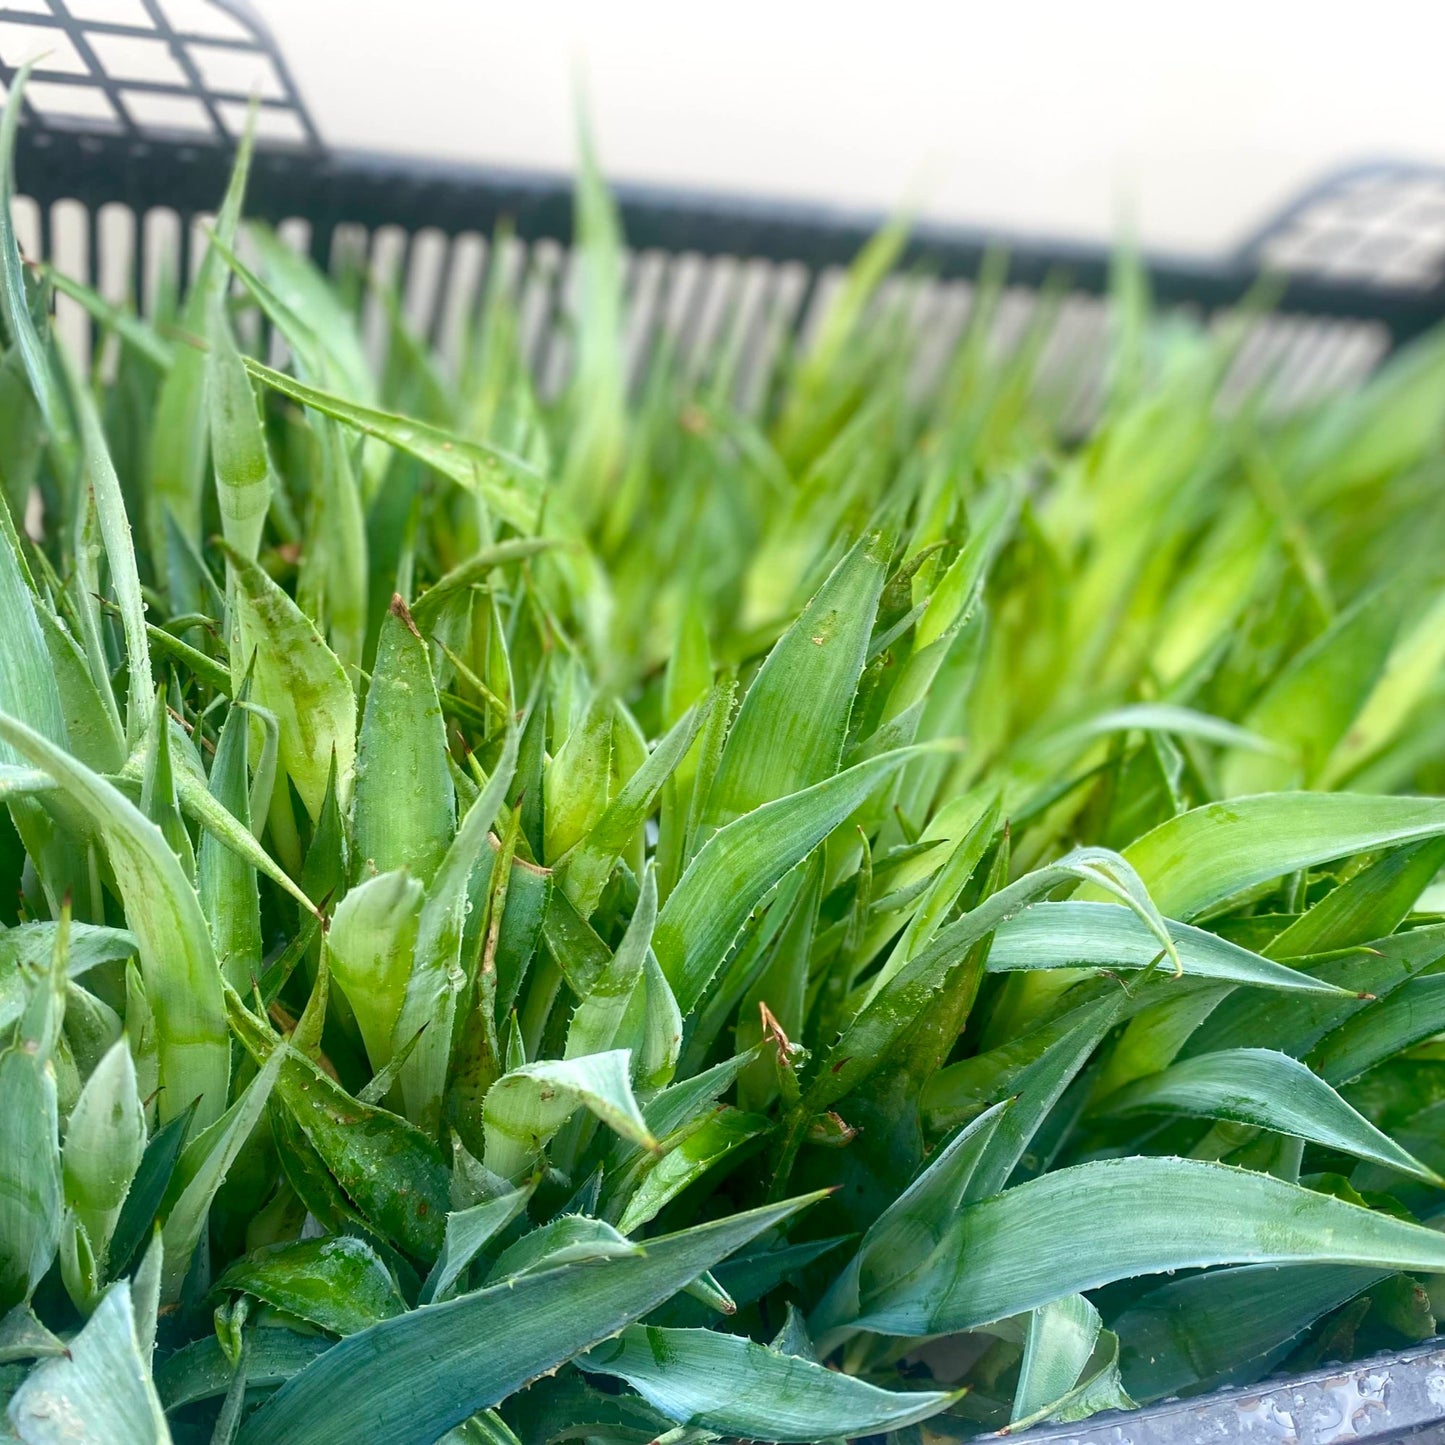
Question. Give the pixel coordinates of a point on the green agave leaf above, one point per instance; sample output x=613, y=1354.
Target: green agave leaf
x=93, y=731
x=731, y=1385
x=1191, y=1333
x=101, y=1389
x=1039, y=1088
x=659, y=1039
x=427, y=1371
x=576, y=781
x=145, y=1291
x=469, y=1231
x=485, y=560
x=180, y=431
x=203, y=1169
x=226, y=879
x=485, y=1428
x=392, y=1172
x=339, y=1283
x=707, y=1146
x=572, y=1404
x=140, y=1034
x=30, y=1160
x=574, y=945
x=1163, y=717
x=598, y=1018
x=1058, y=1344
x=27, y=678
x=1085, y=1226
x=1309, y=705
x=23, y=1337
x=527, y=1105
x=182, y=980
x=1413, y=665
x=741, y=863
x=583, y=872
x=79, y=1267
x=325, y=868
x=149, y=1187
x=687, y=1102
x=1367, y=907
x=201, y=1371
x=31, y=946
x=92, y=1027
x=99, y=476
x=18, y=781
x=299, y=680
x=131, y=329
x=1071, y=934
x=436, y=977
x=225, y=826
x=1412, y=1012
x=1203, y=857
x=334, y=577
x=942, y=894
x=105, y=1140
x=158, y=789
x=509, y=485
x=1272, y=1090
x=1098, y=1387
x=1376, y=969
x=18, y=321
x=568, y=1239
x=22, y=434
x=405, y=810
x=309, y=312
x=789, y=732
x=908, y=1230
x=238, y=440
x=876, y=1029
x=952, y=602
x=597, y=399
x=370, y=945
x=314, y=1185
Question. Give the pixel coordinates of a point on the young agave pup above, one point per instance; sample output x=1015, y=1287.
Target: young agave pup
x=630, y=913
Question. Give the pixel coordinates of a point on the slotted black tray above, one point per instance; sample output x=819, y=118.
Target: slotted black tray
x=1360, y=257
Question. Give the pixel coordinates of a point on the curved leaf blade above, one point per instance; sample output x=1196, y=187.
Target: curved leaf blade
x=339, y=1283
x=178, y=962
x=1073, y=934
x=734, y=1386
x=1271, y=1090
x=740, y=863
x=1082, y=1227
x=1202, y=857
x=417, y=1376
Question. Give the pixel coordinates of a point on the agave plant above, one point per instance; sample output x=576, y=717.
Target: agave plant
x=640, y=913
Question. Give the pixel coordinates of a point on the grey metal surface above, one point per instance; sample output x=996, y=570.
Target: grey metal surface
x=1372, y=1402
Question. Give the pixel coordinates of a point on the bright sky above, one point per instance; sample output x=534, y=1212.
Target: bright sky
x=1023, y=114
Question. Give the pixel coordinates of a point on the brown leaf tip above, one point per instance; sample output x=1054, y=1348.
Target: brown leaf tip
x=401, y=610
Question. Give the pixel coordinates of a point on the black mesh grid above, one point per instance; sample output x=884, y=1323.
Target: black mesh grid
x=1380, y=225
x=133, y=69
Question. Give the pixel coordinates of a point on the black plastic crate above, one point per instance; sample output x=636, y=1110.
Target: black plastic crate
x=1358, y=263
x=1360, y=259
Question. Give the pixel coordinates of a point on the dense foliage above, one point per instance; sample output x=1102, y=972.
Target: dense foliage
x=635, y=915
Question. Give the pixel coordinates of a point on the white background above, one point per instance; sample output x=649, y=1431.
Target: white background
x=1194, y=120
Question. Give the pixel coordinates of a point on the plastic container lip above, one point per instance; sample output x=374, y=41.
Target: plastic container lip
x=1379, y=1401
